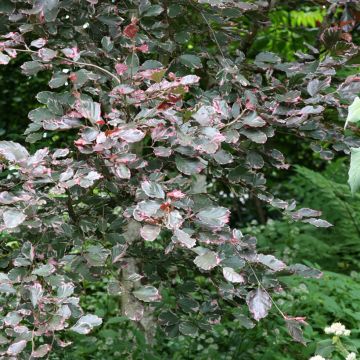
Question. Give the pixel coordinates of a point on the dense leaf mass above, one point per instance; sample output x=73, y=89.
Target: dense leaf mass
x=155, y=123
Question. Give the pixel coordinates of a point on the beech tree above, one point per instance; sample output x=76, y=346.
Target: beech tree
x=155, y=122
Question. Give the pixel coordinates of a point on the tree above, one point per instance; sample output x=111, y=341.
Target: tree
x=162, y=101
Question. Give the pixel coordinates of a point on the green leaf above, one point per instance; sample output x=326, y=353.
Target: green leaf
x=187, y=328
x=325, y=348
x=58, y=80
x=107, y=44
x=353, y=112
x=152, y=189
x=189, y=166
x=354, y=170
x=32, y=67
x=6, y=6
x=174, y=10
x=96, y=255
x=44, y=270
x=214, y=216
x=153, y=10
x=191, y=61
x=182, y=37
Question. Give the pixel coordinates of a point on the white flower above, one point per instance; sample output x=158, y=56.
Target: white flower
x=337, y=329
x=351, y=356
x=317, y=357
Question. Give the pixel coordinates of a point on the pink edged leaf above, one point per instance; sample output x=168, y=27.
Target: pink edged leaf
x=144, y=48
x=259, y=303
x=131, y=135
x=152, y=189
x=271, y=262
x=318, y=222
x=118, y=252
x=214, y=216
x=134, y=310
x=86, y=323
x=231, y=275
x=184, y=238
x=46, y=54
x=207, y=260
x=122, y=171
x=162, y=151
x=36, y=292
x=89, y=110
x=16, y=348
x=147, y=294
x=189, y=80
x=41, y=351
x=189, y=166
x=4, y=59
x=13, y=218
x=150, y=232
x=174, y=220
x=175, y=194
x=12, y=151
x=38, y=43
x=121, y=68
x=71, y=53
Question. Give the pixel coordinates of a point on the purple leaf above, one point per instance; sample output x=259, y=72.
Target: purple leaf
x=271, y=262
x=318, y=222
x=259, y=303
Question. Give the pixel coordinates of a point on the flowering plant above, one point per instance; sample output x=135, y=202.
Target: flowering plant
x=339, y=345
